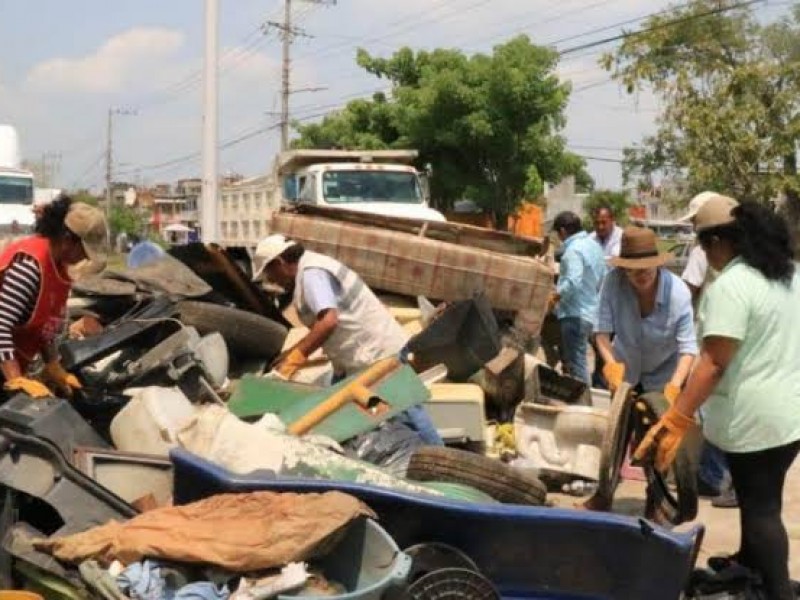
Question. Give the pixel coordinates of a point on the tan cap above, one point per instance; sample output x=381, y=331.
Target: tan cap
x=715, y=212
x=267, y=250
x=89, y=224
x=696, y=203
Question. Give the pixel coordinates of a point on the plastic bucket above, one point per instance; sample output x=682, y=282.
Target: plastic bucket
x=366, y=562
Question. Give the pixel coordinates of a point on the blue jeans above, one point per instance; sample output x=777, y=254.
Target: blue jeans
x=575, y=334
x=714, y=467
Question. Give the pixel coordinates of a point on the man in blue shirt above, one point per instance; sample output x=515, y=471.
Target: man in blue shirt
x=582, y=269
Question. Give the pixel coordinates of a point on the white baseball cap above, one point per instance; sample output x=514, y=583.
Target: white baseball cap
x=267, y=250
x=697, y=203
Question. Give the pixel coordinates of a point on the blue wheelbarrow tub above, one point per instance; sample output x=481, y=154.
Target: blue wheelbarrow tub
x=526, y=551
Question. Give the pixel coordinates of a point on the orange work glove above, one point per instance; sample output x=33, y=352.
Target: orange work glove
x=664, y=438
x=57, y=378
x=552, y=300
x=33, y=388
x=671, y=392
x=614, y=372
x=289, y=365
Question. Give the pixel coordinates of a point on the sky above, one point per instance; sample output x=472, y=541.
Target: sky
x=63, y=65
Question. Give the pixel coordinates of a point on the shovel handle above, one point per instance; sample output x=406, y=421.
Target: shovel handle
x=355, y=391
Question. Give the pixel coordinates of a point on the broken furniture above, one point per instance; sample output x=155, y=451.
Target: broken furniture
x=525, y=551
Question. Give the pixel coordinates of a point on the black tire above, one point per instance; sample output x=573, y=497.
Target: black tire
x=665, y=506
x=615, y=445
x=503, y=483
x=247, y=334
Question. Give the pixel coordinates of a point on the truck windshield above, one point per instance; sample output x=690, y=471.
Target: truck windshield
x=16, y=190
x=370, y=186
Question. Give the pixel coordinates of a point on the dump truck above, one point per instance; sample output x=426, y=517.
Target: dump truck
x=378, y=182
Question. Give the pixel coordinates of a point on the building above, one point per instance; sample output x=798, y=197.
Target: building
x=562, y=197
x=246, y=209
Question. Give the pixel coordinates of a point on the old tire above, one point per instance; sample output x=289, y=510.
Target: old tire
x=247, y=334
x=614, y=448
x=503, y=483
x=666, y=506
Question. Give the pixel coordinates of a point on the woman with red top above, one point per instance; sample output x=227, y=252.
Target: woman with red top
x=34, y=285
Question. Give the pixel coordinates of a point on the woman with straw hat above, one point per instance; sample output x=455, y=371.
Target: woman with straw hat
x=648, y=310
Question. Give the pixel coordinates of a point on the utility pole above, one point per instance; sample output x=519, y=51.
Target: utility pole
x=288, y=33
x=208, y=205
x=109, y=159
x=285, y=73
x=110, y=154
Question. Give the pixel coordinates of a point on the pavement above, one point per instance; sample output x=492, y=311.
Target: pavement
x=722, y=524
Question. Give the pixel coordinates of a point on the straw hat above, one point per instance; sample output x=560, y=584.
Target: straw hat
x=639, y=250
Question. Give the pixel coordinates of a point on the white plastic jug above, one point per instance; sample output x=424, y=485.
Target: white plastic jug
x=149, y=423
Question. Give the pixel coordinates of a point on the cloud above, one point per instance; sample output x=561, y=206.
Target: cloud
x=121, y=61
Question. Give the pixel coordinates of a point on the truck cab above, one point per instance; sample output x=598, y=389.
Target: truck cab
x=377, y=182
x=16, y=188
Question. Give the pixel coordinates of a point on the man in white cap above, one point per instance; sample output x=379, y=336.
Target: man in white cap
x=696, y=274
x=342, y=314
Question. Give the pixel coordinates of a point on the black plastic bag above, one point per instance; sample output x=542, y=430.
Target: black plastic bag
x=389, y=446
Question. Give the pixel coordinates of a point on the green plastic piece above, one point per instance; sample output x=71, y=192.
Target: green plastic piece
x=257, y=396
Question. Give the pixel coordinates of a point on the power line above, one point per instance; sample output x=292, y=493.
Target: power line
x=628, y=34
x=90, y=169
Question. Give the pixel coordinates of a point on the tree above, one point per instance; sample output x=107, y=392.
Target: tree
x=488, y=125
x=124, y=219
x=618, y=202
x=730, y=91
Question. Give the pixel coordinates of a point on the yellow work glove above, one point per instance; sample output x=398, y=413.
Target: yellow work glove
x=57, y=378
x=34, y=389
x=664, y=438
x=289, y=365
x=671, y=392
x=614, y=372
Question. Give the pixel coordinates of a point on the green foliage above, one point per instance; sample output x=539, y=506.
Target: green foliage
x=488, y=125
x=84, y=196
x=125, y=219
x=618, y=202
x=730, y=90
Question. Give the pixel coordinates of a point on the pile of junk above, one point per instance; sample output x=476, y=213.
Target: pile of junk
x=185, y=469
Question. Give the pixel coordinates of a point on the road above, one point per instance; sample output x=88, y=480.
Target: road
x=722, y=525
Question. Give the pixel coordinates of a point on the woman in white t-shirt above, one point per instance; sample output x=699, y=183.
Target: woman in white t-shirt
x=746, y=377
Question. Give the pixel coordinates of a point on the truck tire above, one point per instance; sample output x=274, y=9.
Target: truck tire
x=247, y=334
x=671, y=499
x=503, y=483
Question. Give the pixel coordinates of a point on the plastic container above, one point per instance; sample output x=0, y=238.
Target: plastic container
x=550, y=387
x=366, y=562
x=457, y=412
x=150, y=421
x=464, y=337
